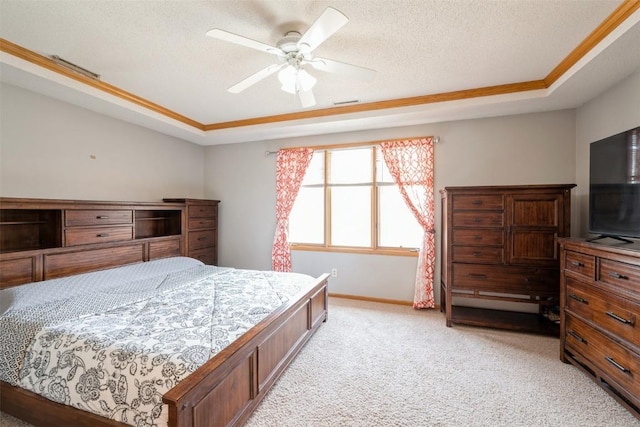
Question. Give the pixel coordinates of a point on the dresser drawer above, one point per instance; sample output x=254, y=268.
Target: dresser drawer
x=201, y=223
x=477, y=219
x=619, y=274
x=478, y=201
x=82, y=217
x=84, y=236
x=478, y=254
x=617, y=315
x=582, y=264
x=506, y=279
x=207, y=255
x=202, y=211
x=17, y=271
x=463, y=236
x=615, y=361
x=82, y=261
x=165, y=248
x=202, y=239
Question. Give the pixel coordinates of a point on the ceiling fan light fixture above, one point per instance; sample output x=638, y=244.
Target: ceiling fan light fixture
x=290, y=77
x=287, y=77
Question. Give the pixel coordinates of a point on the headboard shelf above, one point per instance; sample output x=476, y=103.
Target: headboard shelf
x=46, y=238
x=25, y=229
x=155, y=223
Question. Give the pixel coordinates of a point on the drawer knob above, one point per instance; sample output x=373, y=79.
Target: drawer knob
x=200, y=239
x=102, y=217
x=578, y=337
x=616, y=364
x=477, y=202
x=476, y=253
x=579, y=299
x=577, y=264
x=619, y=319
x=618, y=275
x=478, y=238
x=478, y=276
x=477, y=220
x=102, y=235
x=533, y=279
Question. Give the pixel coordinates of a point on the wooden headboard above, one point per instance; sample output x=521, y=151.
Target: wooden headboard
x=44, y=239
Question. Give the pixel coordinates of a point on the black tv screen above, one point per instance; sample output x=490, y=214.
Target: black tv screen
x=614, y=185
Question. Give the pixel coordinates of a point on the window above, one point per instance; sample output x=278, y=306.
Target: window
x=349, y=201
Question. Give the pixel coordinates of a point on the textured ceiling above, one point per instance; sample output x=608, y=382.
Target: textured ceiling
x=158, y=51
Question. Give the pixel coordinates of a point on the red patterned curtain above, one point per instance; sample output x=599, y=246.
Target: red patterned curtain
x=290, y=169
x=410, y=163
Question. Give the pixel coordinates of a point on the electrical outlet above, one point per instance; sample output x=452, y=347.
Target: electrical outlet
x=334, y=272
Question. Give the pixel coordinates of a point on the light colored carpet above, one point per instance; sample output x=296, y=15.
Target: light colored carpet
x=376, y=364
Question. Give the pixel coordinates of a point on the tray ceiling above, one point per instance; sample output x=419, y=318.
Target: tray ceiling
x=435, y=60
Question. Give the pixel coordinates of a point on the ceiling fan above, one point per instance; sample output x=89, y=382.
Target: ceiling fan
x=294, y=51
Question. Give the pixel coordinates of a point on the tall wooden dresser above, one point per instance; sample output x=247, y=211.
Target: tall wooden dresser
x=600, y=300
x=499, y=243
x=202, y=229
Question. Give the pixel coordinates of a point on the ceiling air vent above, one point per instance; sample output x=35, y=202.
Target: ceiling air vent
x=76, y=68
x=354, y=101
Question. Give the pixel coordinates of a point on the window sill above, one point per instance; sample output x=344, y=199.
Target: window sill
x=352, y=250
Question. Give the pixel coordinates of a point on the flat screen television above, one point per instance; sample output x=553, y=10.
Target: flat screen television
x=614, y=186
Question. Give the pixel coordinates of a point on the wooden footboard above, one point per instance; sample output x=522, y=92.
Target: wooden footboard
x=222, y=392
x=226, y=389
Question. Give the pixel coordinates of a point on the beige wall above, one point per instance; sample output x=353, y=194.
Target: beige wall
x=46, y=149
x=614, y=111
x=522, y=149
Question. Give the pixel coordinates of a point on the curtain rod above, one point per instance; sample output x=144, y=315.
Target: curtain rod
x=436, y=139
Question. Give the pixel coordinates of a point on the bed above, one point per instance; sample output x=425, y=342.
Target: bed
x=165, y=342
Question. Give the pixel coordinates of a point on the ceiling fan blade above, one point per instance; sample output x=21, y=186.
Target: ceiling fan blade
x=331, y=66
x=306, y=98
x=255, y=78
x=328, y=23
x=217, y=33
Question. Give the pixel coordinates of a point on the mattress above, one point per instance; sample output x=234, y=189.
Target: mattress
x=113, y=342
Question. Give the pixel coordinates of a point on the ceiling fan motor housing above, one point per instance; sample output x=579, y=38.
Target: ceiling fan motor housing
x=289, y=43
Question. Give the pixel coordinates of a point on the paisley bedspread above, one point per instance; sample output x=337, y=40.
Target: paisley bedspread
x=115, y=346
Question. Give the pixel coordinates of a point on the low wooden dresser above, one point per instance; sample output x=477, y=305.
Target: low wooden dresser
x=600, y=301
